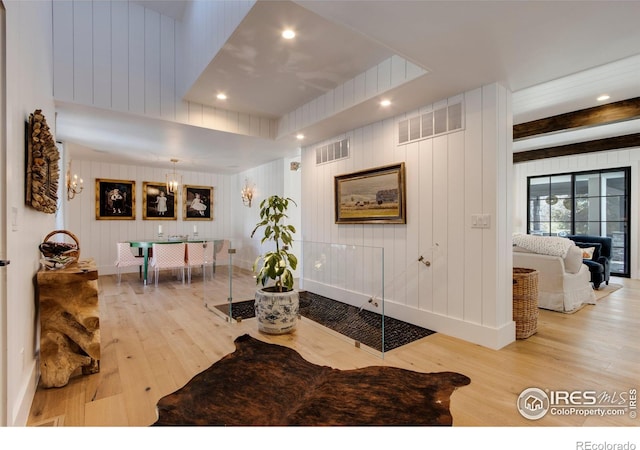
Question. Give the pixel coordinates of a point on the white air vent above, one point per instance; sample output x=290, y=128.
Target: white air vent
x=433, y=123
x=333, y=151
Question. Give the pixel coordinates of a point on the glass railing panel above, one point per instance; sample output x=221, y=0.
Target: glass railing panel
x=342, y=289
x=233, y=285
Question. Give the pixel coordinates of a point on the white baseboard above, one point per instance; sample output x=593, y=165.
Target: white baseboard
x=494, y=338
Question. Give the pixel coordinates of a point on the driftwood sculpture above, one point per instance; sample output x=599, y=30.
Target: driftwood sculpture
x=69, y=322
x=43, y=169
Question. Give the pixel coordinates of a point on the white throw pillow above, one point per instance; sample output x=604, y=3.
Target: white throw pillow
x=573, y=260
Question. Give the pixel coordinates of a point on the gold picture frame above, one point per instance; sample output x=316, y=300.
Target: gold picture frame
x=371, y=196
x=115, y=199
x=197, y=202
x=157, y=202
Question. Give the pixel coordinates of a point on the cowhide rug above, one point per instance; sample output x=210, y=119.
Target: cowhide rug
x=267, y=384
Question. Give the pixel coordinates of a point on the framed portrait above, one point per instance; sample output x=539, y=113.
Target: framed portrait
x=371, y=196
x=115, y=199
x=197, y=203
x=157, y=202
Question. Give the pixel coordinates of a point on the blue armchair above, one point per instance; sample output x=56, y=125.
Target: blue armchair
x=600, y=262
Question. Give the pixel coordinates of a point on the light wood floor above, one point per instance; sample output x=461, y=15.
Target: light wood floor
x=154, y=340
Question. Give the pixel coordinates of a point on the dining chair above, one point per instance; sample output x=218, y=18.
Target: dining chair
x=200, y=254
x=126, y=258
x=168, y=256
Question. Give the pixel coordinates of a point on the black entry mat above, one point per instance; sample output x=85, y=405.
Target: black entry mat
x=363, y=326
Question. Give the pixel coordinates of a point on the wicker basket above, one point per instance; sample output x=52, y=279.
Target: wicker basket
x=525, y=301
x=52, y=249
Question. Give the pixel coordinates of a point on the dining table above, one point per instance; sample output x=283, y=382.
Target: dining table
x=144, y=245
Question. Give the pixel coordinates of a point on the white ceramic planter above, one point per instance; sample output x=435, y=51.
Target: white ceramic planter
x=277, y=312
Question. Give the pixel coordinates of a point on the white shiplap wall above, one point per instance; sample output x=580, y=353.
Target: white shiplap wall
x=119, y=55
x=390, y=73
x=98, y=237
x=467, y=290
x=578, y=163
x=205, y=28
x=28, y=72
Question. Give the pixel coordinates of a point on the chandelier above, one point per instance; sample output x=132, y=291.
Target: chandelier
x=173, y=179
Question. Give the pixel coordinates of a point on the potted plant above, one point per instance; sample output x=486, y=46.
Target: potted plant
x=276, y=305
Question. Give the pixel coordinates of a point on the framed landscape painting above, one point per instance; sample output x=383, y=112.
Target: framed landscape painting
x=371, y=196
x=158, y=203
x=115, y=199
x=197, y=203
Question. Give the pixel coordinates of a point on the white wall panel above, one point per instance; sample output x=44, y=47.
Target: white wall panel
x=152, y=68
x=217, y=20
x=119, y=56
x=427, y=246
x=196, y=112
x=83, y=52
x=448, y=178
x=359, y=89
x=384, y=75
x=440, y=263
x=63, y=50
x=244, y=123
x=329, y=105
x=398, y=70
x=456, y=225
x=489, y=197
x=29, y=72
x=167, y=68
x=102, y=53
x=362, y=87
x=473, y=245
x=136, y=58
x=371, y=85
x=412, y=242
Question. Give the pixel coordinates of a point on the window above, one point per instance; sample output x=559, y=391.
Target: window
x=594, y=202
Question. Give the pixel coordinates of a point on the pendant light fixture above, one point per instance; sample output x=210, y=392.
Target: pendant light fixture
x=173, y=179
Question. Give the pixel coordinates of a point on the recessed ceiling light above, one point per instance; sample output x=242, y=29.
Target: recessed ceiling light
x=300, y=136
x=221, y=96
x=385, y=102
x=288, y=34
x=603, y=98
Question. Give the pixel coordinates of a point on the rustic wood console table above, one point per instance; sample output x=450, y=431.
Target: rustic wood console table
x=69, y=322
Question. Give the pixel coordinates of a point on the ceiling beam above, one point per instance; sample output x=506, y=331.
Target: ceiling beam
x=589, y=117
x=597, y=145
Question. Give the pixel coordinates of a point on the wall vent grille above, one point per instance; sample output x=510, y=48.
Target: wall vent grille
x=332, y=152
x=443, y=120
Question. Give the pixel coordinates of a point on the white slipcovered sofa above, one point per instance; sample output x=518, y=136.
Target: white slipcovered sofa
x=563, y=280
